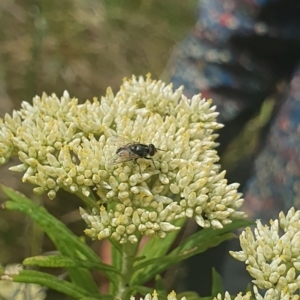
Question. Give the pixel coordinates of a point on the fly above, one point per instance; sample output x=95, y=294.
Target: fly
x=129, y=150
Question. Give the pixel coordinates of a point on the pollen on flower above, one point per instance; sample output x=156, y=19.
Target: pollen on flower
x=66, y=145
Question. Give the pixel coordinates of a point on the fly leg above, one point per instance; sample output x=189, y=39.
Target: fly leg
x=138, y=165
x=152, y=161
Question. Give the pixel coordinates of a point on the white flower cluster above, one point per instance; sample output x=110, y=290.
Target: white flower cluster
x=154, y=296
x=238, y=297
x=62, y=144
x=271, y=294
x=16, y=290
x=272, y=254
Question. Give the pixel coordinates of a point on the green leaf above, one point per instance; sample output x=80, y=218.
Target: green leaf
x=116, y=261
x=101, y=297
x=207, y=238
x=217, y=285
x=205, y=298
x=65, y=241
x=159, y=284
x=143, y=290
x=90, y=298
x=189, y=295
x=50, y=281
x=159, y=261
x=196, y=243
x=146, y=272
x=59, y=261
x=157, y=247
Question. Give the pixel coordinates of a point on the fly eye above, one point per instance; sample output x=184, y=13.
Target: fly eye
x=152, y=149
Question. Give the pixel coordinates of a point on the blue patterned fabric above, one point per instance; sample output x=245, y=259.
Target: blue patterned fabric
x=237, y=54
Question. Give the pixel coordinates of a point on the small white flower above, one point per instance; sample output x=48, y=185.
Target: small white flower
x=273, y=256
x=65, y=145
x=16, y=290
x=238, y=297
x=154, y=296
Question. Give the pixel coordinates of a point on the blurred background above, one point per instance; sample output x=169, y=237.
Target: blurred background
x=82, y=47
x=85, y=46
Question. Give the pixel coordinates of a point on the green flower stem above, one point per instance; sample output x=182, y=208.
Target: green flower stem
x=34, y=233
x=128, y=257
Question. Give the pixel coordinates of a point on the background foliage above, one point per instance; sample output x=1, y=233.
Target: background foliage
x=85, y=46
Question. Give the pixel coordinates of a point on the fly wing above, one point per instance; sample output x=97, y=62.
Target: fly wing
x=123, y=155
x=119, y=141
